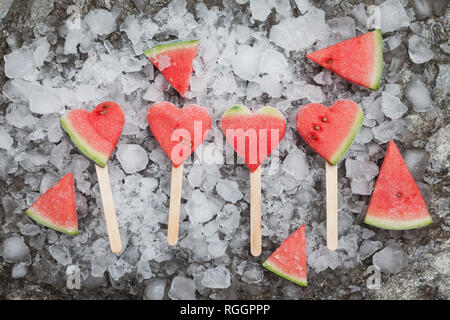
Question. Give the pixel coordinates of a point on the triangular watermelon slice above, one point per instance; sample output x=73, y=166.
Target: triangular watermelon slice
x=56, y=208
x=358, y=60
x=174, y=61
x=289, y=260
x=396, y=202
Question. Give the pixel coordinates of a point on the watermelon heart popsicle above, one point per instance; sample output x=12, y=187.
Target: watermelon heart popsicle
x=179, y=132
x=95, y=134
x=254, y=136
x=330, y=132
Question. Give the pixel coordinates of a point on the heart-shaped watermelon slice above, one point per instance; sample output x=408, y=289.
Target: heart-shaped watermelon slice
x=253, y=135
x=95, y=133
x=174, y=61
x=178, y=131
x=330, y=131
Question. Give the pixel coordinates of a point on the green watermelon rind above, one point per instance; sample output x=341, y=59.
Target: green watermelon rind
x=273, y=268
x=390, y=224
x=99, y=158
x=378, y=64
x=241, y=110
x=349, y=139
x=237, y=110
x=161, y=48
x=46, y=222
x=271, y=111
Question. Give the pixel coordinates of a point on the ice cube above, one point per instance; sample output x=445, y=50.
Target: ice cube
x=310, y=27
x=225, y=84
x=296, y=164
x=101, y=21
x=246, y=62
x=19, y=270
x=283, y=7
x=393, y=16
x=229, y=190
x=7, y=165
x=132, y=157
x=100, y=262
x=303, y=5
x=391, y=106
x=6, y=140
x=253, y=273
x=20, y=64
x=143, y=270
x=87, y=93
x=195, y=176
x=229, y=218
x=361, y=174
x=199, y=208
x=154, y=93
x=260, y=9
x=416, y=160
x=182, y=289
x=341, y=29
x=368, y=248
x=155, y=289
x=61, y=254
x=394, y=41
x=131, y=64
x=359, y=14
x=132, y=82
x=443, y=78
x=419, y=50
x=387, y=130
x=217, y=248
x=14, y=250
x=132, y=28
x=313, y=93
x=218, y=277
x=43, y=102
x=394, y=89
x=271, y=86
x=29, y=229
x=423, y=8
x=419, y=95
x=372, y=109
x=391, y=259
x=41, y=51
x=324, y=258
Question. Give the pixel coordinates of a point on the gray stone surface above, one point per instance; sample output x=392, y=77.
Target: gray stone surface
x=426, y=276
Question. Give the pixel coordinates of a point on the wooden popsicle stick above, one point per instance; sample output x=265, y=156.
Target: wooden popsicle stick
x=332, y=205
x=109, y=209
x=176, y=184
x=255, y=212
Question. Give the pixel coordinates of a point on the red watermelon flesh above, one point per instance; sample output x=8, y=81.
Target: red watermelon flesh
x=95, y=133
x=178, y=131
x=174, y=61
x=253, y=135
x=396, y=202
x=358, y=60
x=289, y=260
x=330, y=131
x=56, y=208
